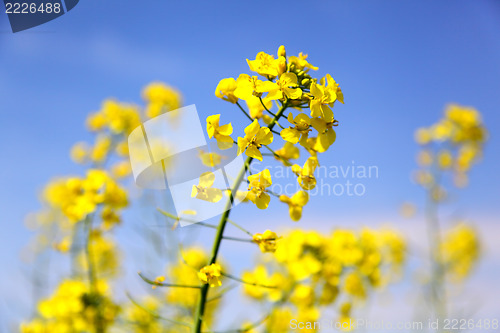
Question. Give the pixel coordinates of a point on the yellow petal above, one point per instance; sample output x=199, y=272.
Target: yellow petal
x=318, y=124
x=207, y=179
x=226, y=129
x=224, y=142
x=242, y=145
x=262, y=201
x=300, y=198
x=327, y=113
x=265, y=178
x=291, y=135
x=302, y=118
x=254, y=152
x=213, y=194
x=194, y=191
x=295, y=212
x=264, y=136
x=252, y=129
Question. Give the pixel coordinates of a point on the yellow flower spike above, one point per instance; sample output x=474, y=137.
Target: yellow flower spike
x=264, y=64
x=319, y=105
x=255, y=137
x=295, y=204
x=326, y=134
x=301, y=129
x=204, y=190
x=220, y=133
x=287, y=87
x=267, y=241
x=210, y=275
x=257, y=188
x=288, y=152
x=225, y=90
x=250, y=86
x=300, y=62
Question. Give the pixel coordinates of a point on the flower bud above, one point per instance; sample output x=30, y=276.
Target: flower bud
x=281, y=65
x=281, y=51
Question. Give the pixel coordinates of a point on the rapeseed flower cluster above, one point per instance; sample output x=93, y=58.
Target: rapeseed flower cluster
x=79, y=216
x=460, y=251
x=303, y=102
x=453, y=144
x=449, y=149
x=313, y=271
x=74, y=307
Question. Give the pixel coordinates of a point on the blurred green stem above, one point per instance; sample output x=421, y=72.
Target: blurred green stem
x=437, y=287
x=92, y=276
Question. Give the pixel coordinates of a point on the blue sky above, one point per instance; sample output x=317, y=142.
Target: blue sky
x=398, y=62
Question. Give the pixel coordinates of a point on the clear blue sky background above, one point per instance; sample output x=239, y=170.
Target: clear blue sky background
x=398, y=62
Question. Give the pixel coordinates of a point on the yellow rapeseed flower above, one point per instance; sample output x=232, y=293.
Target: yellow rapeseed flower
x=257, y=188
x=204, y=190
x=220, y=133
x=305, y=175
x=295, y=204
x=301, y=129
x=225, y=90
x=248, y=87
x=264, y=64
x=267, y=241
x=210, y=275
x=255, y=137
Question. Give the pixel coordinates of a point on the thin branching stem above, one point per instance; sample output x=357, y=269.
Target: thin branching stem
x=240, y=227
x=232, y=277
x=243, y=110
x=221, y=294
x=243, y=330
x=161, y=284
x=238, y=239
x=155, y=315
x=278, y=156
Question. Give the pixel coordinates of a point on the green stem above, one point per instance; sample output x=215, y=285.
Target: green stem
x=246, y=282
x=92, y=276
x=240, y=227
x=243, y=110
x=200, y=310
x=161, y=284
x=438, y=293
